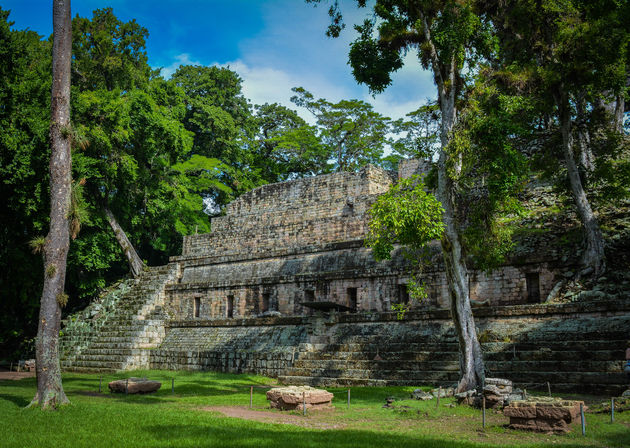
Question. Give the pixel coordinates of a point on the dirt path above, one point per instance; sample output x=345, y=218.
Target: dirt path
x=310, y=421
x=6, y=375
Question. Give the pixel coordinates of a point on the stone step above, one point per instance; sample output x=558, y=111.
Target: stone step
x=130, y=330
x=415, y=347
x=384, y=346
x=92, y=351
x=540, y=378
x=122, y=345
x=321, y=381
x=349, y=382
x=557, y=366
x=395, y=374
x=87, y=369
x=453, y=365
x=560, y=344
x=113, y=365
x=424, y=355
x=532, y=355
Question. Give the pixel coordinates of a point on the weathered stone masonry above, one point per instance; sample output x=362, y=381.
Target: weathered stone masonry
x=233, y=301
x=302, y=241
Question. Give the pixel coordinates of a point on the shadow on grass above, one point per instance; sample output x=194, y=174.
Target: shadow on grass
x=620, y=436
x=17, y=400
x=186, y=383
x=234, y=435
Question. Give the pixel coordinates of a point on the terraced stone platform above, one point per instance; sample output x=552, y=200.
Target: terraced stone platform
x=293, y=247
x=118, y=332
x=573, y=346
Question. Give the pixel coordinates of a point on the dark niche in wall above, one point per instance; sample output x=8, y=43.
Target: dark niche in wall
x=403, y=294
x=352, y=299
x=532, y=280
x=230, y=306
x=265, y=302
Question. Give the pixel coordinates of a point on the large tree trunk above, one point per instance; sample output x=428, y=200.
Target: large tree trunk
x=135, y=262
x=594, y=257
x=50, y=392
x=586, y=157
x=470, y=355
x=471, y=367
x=620, y=109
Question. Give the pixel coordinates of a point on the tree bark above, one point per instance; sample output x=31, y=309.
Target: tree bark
x=50, y=393
x=594, y=256
x=470, y=355
x=136, y=265
x=472, y=374
x=620, y=109
x=586, y=157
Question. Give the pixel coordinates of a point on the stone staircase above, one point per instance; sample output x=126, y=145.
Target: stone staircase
x=385, y=357
x=570, y=354
x=118, y=332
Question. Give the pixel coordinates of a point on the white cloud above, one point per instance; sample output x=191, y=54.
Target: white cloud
x=292, y=51
x=180, y=59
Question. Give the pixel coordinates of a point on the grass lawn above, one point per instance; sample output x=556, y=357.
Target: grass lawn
x=191, y=418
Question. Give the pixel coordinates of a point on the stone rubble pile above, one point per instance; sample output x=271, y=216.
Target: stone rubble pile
x=499, y=393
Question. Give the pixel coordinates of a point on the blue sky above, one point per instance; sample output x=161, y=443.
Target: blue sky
x=273, y=45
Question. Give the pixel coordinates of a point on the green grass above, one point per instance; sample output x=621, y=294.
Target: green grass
x=164, y=419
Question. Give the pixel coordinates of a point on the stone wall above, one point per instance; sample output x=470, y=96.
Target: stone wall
x=572, y=346
x=302, y=241
x=263, y=346
x=291, y=217
x=411, y=167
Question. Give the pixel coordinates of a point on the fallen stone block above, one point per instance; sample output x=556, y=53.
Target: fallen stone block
x=294, y=397
x=543, y=414
x=134, y=386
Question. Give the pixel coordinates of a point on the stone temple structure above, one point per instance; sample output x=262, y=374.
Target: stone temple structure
x=283, y=286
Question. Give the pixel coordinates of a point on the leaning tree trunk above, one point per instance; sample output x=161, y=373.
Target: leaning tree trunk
x=471, y=358
x=594, y=256
x=50, y=392
x=135, y=262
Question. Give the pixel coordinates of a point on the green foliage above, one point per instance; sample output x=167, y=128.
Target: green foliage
x=571, y=58
x=372, y=62
x=351, y=132
x=286, y=146
x=417, y=291
x=490, y=133
x=445, y=32
x=25, y=84
x=62, y=299
x=189, y=418
x=78, y=208
x=407, y=215
x=419, y=135
x=108, y=54
x=220, y=120
x=51, y=270
x=37, y=244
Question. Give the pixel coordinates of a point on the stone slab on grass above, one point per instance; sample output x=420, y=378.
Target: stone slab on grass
x=134, y=386
x=293, y=397
x=543, y=414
